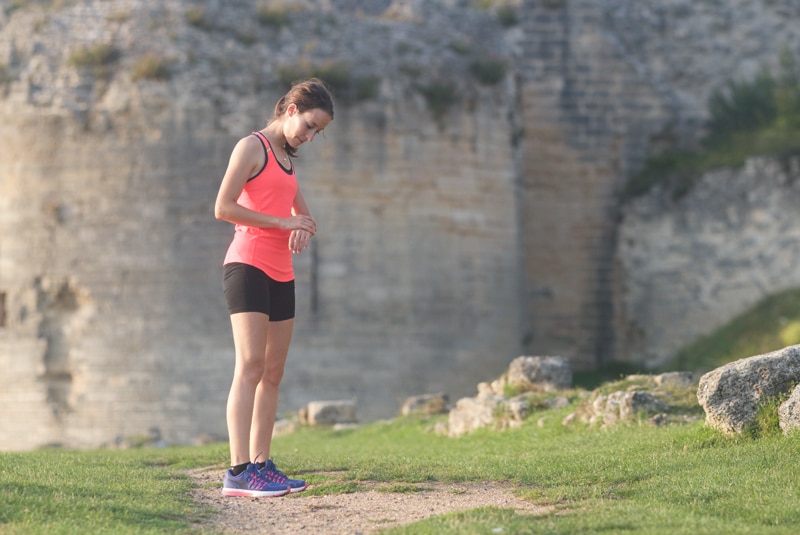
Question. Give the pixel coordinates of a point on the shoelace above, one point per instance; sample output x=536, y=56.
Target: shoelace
x=256, y=481
x=273, y=474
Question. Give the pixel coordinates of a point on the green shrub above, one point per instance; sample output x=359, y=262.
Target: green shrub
x=196, y=16
x=506, y=16
x=756, y=118
x=765, y=327
x=488, y=71
x=151, y=67
x=439, y=96
x=346, y=88
x=741, y=107
x=99, y=55
x=272, y=17
x=767, y=422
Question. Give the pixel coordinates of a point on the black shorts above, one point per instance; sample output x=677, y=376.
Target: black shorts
x=248, y=289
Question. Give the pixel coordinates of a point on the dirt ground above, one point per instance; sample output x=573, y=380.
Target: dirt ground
x=363, y=512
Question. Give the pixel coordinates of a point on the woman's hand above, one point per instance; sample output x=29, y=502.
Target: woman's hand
x=299, y=240
x=300, y=222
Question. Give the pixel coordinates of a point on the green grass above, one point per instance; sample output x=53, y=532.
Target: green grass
x=678, y=479
x=771, y=324
x=135, y=491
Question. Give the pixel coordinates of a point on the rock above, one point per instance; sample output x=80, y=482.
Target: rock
x=789, y=412
x=473, y=413
x=426, y=404
x=284, y=426
x=730, y=395
x=539, y=373
x=518, y=407
x=557, y=402
x=616, y=407
x=659, y=419
x=677, y=379
x=331, y=412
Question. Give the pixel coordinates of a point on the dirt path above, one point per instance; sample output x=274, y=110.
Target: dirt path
x=363, y=512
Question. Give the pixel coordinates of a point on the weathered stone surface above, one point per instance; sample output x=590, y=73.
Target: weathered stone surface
x=691, y=265
x=331, y=412
x=540, y=373
x=473, y=413
x=623, y=406
x=730, y=395
x=674, y=379
x=491, y=407
x=665, y=398
x=426, y=404
x=789, y=412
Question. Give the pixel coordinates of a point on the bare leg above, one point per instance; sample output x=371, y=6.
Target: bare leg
x=266, y=398
x=250, y=341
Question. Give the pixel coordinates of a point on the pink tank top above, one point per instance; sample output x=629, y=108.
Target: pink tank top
x=271, y=191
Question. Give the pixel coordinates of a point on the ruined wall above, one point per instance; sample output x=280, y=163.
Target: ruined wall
x=602, y=85
x=692, y=264
x=110, y=258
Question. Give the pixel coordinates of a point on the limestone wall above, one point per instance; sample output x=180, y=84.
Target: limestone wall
x=111, y=258
x=690, y=266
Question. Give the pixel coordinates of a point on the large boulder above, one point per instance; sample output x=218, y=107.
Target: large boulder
x=731, y=394
x=789, y=412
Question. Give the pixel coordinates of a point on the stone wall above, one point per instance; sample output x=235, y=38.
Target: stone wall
x=602, y=86
x=111, y=258
x=691, y=265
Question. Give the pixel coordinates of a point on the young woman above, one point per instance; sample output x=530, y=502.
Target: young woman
x=260, y=195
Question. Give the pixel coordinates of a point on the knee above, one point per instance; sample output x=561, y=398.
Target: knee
x=250, y=372
x=273, y=375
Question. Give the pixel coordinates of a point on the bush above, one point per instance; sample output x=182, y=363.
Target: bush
x=272, y=17
x=196, y=16
x=151, y=67
x=99, y=55
x=488, y=71
x=741, y=107
x=439, y=96
x=346, y=88
x=756, y=118
x=506, y=16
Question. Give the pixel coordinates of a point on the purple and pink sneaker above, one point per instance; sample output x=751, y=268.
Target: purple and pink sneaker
x=271, y=473
x=252, y=484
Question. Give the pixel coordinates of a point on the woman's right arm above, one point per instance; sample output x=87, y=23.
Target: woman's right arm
x=245, y=160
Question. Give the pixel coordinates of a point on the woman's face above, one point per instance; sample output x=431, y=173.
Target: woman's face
x=300, y=127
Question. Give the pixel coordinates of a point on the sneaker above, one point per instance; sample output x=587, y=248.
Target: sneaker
x=251, y=483
x=271, y=473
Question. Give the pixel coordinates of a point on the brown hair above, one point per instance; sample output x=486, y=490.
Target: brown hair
x=306, y=95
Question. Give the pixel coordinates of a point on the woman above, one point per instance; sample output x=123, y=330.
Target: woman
x=260, y=195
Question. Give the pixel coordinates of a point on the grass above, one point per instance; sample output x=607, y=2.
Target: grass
x=629, y=478
x=678, y=479
x=136, y=491
x=769, y=325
